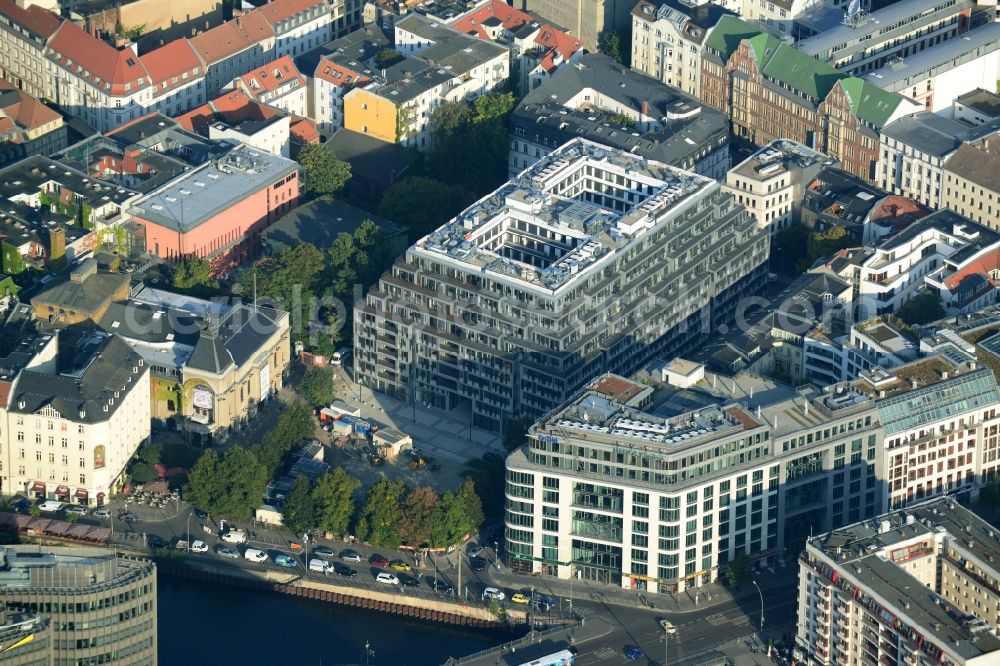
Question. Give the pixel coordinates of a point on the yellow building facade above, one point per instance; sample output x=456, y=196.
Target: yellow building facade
x=369, y=113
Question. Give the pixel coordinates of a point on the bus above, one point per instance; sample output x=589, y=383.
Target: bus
x=561, y=658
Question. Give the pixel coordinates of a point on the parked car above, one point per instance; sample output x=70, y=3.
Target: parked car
x=544, y=603
x=386, y=578
x=400, y=565
x=378, y=561
x=323, y=551
x=235, y=536
x=286, y=561
x=319, y=566
x=493, y=593
x=519, y=598
x=408, y=581
x=254, y=555
x=154, y=541
x=77, y=509
x=50, y=506
x=348, y=555
x=127, y=517
x=478, y=563
x=440, y=585
x=473, y=549
x=101, y=513
x=632, y=654
x=342, y=570
x=20, y=503
x=198, y=546
x=226, y=551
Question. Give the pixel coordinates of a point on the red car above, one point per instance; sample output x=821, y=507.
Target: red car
x=379, y=561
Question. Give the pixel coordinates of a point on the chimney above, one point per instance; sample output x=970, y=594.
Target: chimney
x=57, y=243
x=645, y=108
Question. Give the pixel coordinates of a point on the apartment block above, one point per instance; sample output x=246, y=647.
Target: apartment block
x=299, y=25
x=75, y=411
x=870, y=41
x=772, y=91
x=538, y=49
x=667, y=39
x=27, y=126
x=217, y=210
x=972, y=181
x=599, y=100
x=977, y=107
x=277, y=84
x=915, y=586
x=771, y=182
x=592, y=260
x=584, y=20
x=344, y=64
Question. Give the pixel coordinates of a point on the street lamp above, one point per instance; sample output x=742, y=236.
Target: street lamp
x=187, y=533
x=761, y=607
x=496, y=554
x=531, y=602
x=668, y=628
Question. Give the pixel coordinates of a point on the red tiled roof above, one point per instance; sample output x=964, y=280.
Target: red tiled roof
x=981, y=265
x=235, y=106
x=271, y=76
x=337, y=75
x=557, y=42
x=96, y=61
x=230, y=38
x=169, y=61
x=9, y=131
x=36, y=20
x=28, y=112
x=303, y=130
x=279, y=10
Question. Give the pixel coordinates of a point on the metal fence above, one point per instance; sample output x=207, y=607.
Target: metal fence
x=510, y=646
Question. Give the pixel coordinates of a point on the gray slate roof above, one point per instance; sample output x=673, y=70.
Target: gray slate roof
x=928, y=133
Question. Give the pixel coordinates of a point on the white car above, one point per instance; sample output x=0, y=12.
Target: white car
x=199, y=547
x=78, y=510
x=254, y=555
x=231, y=553
x=386, y=579
x=101, y=513
x=493, y=593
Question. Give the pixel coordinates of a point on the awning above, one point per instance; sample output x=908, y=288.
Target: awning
x=39, y=487
x=62, y=490
x=100, y=496
x=81, y=493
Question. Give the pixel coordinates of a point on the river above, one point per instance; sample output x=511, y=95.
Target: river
x=201, y=623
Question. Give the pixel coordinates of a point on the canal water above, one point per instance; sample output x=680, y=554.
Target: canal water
x=202, y=623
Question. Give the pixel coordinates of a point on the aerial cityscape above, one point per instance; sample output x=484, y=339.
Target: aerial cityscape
x=500, y=333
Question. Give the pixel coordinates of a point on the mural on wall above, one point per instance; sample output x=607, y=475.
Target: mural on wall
x=202, y=397
x=99, y=456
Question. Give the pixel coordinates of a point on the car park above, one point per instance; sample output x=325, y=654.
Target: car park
x=198, y=546
x=400, y=565
x=478, y=563
x=348, y=555
x=378, y=561
x=323, y=551
x=77, y=509
x=343, y=570
x=493, y=593
x=101, y=513
x=319, y=566
x=226, y=551
x=386, y=578
x=285, y=560
x=254, y=555
x=519, y=598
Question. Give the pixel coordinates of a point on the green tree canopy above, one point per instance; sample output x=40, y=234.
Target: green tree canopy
x=206, y=486
x=316, y=385
x=455, y=515
x=298, y=514
x=417, y=516
x=823, y=244
x=610, y=43
x=142, y=473
x=739, y=570
x=387, y=58
x=291, y=280
x=245, y=481
x=378, y=522
x=921, y=309
x=195, y=275
x=152, y=452
x=421, y=204
x=334, y=501
x=323, y=173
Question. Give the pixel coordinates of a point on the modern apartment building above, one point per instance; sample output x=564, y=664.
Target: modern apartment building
x=772, y=91
x=667, y=38
x=771, y=183
x=99, y=605
x=869, y=42
x=599, y=100
x=592, y=260
x=660, y=488
x=75, y=410
x=915, y=586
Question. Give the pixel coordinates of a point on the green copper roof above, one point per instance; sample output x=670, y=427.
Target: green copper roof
x=801, y=72
x=869, y=102
x=728, y=33
x=763, y=47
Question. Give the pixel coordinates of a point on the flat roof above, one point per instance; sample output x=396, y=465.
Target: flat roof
x=949, y=53
x=209, y=189
x=776, y=157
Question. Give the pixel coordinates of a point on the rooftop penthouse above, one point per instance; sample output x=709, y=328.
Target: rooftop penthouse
x=566, y=216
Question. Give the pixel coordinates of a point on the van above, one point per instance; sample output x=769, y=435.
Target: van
x=50, y=506
x=254, y=555
x=493, y=593
x=319, y=566
x=235, y=536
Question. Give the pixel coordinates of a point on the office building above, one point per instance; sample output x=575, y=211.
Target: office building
x=592, y=260
x=100, y=606
x=771, y=183
x=75, y=411
x=917, y=586
x=599, y=100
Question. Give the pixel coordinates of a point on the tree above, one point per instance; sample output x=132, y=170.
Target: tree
x=739, y=570
x=378, y=523
x=447, y=119
x=290, y=280
x=294, y=425
x=298, y=514
x=152, y=452
x=417, y=516
x=921, y=309
x=142, y=473
x=316, y=385
x=245, y=481
x=609, y=43
x=456, y=514
x=323, y=173
x=194, y=274
x=421, y=204
x=823, y=244
x=205, y=485
x=387, y=58
x=333, y=499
